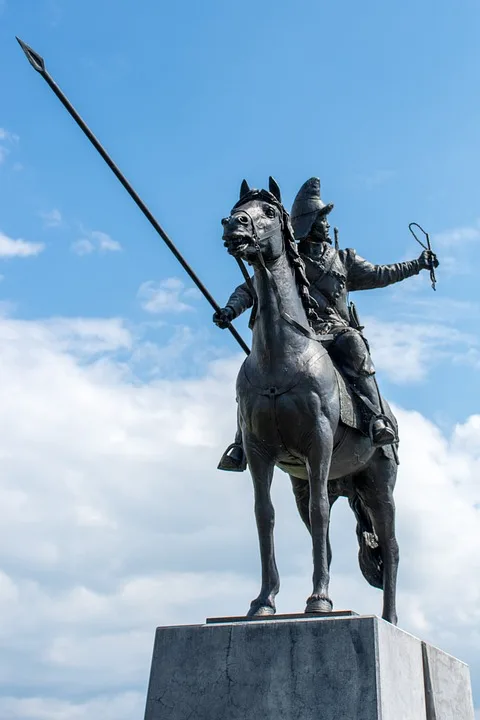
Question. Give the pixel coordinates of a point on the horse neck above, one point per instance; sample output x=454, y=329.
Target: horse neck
x=276, y=344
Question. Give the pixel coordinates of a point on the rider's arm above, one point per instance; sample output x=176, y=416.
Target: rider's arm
x=240, y=300
x=362, y=275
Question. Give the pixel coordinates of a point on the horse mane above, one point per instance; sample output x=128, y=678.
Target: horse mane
x=309, y=303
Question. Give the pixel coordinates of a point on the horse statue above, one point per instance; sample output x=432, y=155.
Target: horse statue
x=290, y=415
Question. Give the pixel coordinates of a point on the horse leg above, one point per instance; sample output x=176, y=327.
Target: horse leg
x=318, y=466
x=261, y=470
x=301, y=491
x=331, y=500
x=375, y=487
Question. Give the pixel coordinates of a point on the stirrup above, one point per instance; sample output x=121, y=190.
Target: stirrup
x=236, y=462
x=389, y=436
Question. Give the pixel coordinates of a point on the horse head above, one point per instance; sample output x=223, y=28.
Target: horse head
x=255, y=229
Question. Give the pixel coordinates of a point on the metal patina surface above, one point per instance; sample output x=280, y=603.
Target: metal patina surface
x=308, y=400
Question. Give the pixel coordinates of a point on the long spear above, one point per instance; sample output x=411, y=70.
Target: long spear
x=38, y=63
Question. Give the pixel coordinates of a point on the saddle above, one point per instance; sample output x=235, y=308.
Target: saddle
x=354, y=413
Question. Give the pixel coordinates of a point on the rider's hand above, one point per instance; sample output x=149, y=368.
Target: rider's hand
x=222, y=317
x=426, y=258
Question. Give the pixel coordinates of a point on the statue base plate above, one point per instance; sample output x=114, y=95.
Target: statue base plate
x=303, y=667
x=288, y=616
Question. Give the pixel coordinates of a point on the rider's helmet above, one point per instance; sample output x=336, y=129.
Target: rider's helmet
x=307, y=207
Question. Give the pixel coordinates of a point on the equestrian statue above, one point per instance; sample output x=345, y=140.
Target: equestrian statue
x=308, y=401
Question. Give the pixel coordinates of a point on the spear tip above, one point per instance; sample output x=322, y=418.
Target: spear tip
x=35, y=60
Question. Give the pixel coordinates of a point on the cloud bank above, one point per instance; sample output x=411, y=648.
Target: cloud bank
x=115, y=520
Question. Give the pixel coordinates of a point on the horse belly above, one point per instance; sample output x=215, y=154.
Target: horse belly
x=351, y=454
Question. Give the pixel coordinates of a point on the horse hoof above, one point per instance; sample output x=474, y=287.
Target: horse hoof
x=391, y=619
x=316, y=604
x=260, y=610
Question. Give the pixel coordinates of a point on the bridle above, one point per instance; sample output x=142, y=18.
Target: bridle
x=257, y=236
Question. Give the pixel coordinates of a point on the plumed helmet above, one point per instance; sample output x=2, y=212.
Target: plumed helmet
x=306, y=207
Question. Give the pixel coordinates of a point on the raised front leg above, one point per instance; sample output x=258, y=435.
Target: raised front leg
x=261, y=469
x=318, y=466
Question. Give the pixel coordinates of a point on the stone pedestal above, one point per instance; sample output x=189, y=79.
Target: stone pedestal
x=327, y=668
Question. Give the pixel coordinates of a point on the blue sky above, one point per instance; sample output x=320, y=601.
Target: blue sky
x=377, y=99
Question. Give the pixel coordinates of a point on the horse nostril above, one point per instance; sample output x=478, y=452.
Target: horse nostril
x=243, y=219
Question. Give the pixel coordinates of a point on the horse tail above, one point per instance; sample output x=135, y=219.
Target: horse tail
x=369, y=551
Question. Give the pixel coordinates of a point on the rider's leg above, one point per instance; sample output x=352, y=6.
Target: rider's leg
x=233, y=459
x=350, y=351
x=382, y=434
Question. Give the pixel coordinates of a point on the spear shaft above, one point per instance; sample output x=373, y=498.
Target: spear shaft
x=38, y=64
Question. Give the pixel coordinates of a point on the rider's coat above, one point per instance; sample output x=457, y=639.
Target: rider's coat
x=332, y=275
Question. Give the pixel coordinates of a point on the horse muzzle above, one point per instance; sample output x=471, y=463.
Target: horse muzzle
x=237, y=243
x=237, y=233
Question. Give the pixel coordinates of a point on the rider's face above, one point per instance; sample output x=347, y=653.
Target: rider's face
x=322, y=227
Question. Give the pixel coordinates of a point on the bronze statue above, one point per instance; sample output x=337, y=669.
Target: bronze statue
x=307, y=398
x=295, y=411
x=332, y=274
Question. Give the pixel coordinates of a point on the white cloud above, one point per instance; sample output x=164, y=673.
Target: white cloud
x=18, y=248
x=450, y=310
x=376, y=178
x=95, y=241
x=53, y=218
x=115, y=520
x=166, y=296
x=6, y=138
x=406, y=351
x=124, y=706
x=457, y=236
x=83, y=336
x=105, y=242
x=82, y=247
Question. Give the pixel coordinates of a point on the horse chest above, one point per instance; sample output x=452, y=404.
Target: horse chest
x=268, y=418
x=281, y=409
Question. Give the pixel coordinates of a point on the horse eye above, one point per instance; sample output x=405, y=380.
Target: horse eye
x=270, y=212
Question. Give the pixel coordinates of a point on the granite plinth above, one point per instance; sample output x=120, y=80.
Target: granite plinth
x=338, y=668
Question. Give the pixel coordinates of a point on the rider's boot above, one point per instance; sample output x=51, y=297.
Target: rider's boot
x=381, y=430
x=233, y=459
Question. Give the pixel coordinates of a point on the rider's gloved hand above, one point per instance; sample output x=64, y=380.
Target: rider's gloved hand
x=222, y=317
x=426, y=259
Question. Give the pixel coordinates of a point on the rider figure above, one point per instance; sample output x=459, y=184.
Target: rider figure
x=332, y=273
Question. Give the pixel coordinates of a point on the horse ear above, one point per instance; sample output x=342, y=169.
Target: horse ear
x=244, y=189
x=274, y=188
